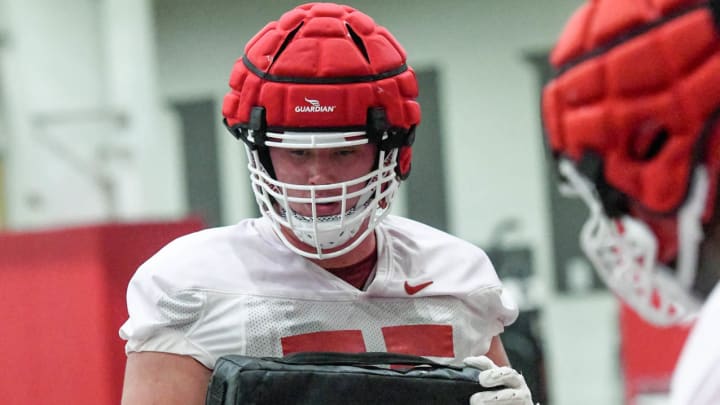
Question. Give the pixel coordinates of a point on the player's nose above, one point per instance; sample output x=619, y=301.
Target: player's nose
x=321, y=170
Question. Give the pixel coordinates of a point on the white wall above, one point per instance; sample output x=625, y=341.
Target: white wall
x=87, y=139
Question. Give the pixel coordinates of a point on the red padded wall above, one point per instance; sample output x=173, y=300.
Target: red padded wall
x=648, y=354
x=62, y=301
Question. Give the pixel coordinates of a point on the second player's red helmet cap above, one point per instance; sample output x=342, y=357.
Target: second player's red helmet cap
x=637, y=83
x=634, y=109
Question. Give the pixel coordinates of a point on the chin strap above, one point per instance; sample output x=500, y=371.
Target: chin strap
x=614, y=203
x=254, y=135
x=388, y=138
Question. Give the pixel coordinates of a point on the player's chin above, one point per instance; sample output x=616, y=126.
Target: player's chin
x=297, y=242
x=305, y=247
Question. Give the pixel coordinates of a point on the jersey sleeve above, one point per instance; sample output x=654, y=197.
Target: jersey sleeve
x=504, y=307
x=492, y=306
x=494, y=310
x=490, y=294
x=162, y=317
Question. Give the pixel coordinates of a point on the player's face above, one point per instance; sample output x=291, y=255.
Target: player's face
x=321, y=167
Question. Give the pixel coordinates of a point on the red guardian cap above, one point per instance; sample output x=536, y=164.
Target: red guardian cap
x=324, y=66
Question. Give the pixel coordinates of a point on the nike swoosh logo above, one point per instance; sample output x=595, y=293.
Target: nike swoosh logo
x=414, y=289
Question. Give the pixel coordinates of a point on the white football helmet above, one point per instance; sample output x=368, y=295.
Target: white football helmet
x=327, y=234
x=324, y=76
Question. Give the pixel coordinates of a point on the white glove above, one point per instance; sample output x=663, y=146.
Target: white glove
x=516, y=393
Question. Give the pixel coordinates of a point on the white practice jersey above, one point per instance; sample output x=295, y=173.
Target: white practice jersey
x=239, y=290
x=696, y=380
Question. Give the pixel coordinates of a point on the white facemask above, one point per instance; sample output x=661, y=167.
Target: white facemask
x=324, y=233
x=624, y=252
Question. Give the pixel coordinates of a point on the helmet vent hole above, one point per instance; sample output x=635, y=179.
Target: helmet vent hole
x=649, y=143
x=285, y=43
x=358, y=42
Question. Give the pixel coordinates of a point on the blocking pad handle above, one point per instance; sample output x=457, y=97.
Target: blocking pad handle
x=359, y=359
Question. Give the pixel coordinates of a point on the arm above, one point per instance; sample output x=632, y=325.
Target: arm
x=164, y=379
x=496, y=352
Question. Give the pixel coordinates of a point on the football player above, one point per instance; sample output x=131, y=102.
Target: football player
x=632, y=120
x=325, y=105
